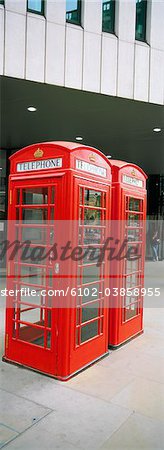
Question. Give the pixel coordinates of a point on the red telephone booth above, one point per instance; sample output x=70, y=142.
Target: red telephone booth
x=57, y=190
x=128, y=215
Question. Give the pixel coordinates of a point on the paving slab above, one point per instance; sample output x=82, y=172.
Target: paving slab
x=137, y=433
x=101, y=381
x=143, y=396
x=85, y=428
x=6, y=435
x=18, y=413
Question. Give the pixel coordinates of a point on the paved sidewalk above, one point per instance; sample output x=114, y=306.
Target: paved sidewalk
x=117, y=404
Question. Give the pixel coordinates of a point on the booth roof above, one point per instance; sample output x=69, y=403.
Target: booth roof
x=120, y=164
x=69, y=146
x=64, y=144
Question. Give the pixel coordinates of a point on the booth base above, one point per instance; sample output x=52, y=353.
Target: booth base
x=60, y=378
x=116, y=346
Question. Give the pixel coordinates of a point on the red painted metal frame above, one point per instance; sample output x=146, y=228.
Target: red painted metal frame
x=121, y=330
x=63, y=358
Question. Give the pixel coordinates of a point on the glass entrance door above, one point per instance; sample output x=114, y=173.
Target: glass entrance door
x=33, y=319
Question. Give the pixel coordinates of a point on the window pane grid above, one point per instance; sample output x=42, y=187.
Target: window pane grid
x=108, y=16
x=141, y=11
x=32, y=317
x=90, y=309
x=36, y=6
x=132, y=277
x=73, y=11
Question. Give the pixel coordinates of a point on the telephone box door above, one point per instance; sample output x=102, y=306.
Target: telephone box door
x=31, y=323
x=134, y=213
x=89, y=337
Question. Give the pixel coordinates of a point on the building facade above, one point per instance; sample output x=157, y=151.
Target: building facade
x=112, y=48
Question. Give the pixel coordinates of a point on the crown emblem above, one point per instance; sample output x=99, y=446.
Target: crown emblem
x=92, y=157
x=38, y=153
x=133, y=172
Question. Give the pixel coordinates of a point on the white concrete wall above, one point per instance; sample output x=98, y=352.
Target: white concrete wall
x=15, y=44
x=55, y=54
x=125, y=69
x=125, y=23
x=74, y=57
x=156, y=76
x=1, y=40
x=48, y=50
x=91, y=62
x=109, y=53
x=35, y=48
x=141, y=72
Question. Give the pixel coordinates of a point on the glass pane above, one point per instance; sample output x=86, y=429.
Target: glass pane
x=141, y=7
x=131, y=311
x=134, y=220
x=32, y=334
x=90, y=312
x=80, y=215
x=33, y=316
x=18, y=196
x=104, y=205
x=34, y=215
x=17, y=214
x=71, y=5
x=77, y=336
x=35, y=5
x=52, y=214
x=73, y=11
x=92, y=216
x=50, y=280
x=132, y=265
x=52, y=195
x=35, y=234
x=35, y=196
x=48, y=339
x=30, y=294
x=92, y=198
x=52, y=236
x=134, y=234
x=90, y=255
x=134, y=204
x=48, y=319
x=93, y=256
x=90, y=292
x=132, y=280
x=90, y=273
x=89, y=331
x=108, y=16
x=33, y=275
x=78, y=316
x=92, y=236
x=81, y=196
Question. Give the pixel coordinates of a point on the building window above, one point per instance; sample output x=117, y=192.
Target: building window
x=141, y=8
x=108, y=16
x=35, y=6
x=73, y=11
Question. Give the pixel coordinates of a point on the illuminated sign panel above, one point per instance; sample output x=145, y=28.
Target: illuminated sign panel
x=39, y=165
x=91, y=168
x=132, y=181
